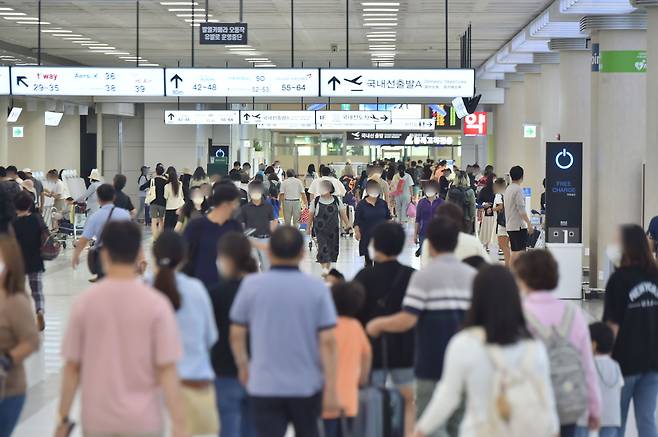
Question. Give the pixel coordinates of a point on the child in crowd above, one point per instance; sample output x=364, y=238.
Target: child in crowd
x=611, y=380
x=354, y=358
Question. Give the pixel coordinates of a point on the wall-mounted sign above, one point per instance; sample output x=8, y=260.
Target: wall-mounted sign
x=202, y=117
x=369, y=138
x=241, y=82
x=446, y=117
x=475, y=125
x=564, y=184
x=397, y=83
x=17, y=132
x=4, y=81
x=279, y=119
x=52, y=118
x=529, y=131
x=14, y=114
x=623, y=61
x=87, y=81
x=343, y=119
x=223, y=33
x=596, y=57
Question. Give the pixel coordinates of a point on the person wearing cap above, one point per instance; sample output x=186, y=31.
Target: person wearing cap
x=90, y=196
x=38, y=186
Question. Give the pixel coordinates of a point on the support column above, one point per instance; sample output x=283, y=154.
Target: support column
x=618, y=132
x=4, y=130
x=651, y=181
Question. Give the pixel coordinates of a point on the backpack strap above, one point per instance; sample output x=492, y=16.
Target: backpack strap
x=542, y=331
x=564, y=328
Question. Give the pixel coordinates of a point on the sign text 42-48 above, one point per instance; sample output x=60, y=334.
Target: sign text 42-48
x=223, y=33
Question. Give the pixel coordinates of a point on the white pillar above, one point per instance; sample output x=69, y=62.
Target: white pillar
x=651, y=182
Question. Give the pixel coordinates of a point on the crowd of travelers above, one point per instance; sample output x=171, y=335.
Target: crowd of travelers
x=213, y=326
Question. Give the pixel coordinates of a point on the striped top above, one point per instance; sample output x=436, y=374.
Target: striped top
x=440, y=295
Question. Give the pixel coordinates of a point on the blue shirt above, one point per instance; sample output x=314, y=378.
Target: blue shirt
x=96, y=222
x=198, y=331
x=284, y=310
x=202, y=236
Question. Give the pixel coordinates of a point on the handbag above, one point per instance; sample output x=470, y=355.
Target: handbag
x=411, y=210
x=93, y=255
x=150, y=196
x=50, y=247
x=304, y=216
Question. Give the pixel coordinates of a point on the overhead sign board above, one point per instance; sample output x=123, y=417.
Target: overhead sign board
x=4, y=81
x=411, y=124
x=369, y=138
x=475, y=125
x=202, y=117
x=87, y=81
x=241, y=82
x=397, y=83
x=446, y=117
x=223, y=33
x=342, y=119
x=279, y=119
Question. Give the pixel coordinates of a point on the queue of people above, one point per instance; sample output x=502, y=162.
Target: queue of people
x=227, y=336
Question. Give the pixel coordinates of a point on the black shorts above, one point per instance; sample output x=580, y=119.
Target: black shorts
x=518, y=240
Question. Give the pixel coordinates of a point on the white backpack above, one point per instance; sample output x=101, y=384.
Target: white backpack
x=517, y=407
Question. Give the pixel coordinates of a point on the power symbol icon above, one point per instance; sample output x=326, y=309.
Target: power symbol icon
x=563, y=163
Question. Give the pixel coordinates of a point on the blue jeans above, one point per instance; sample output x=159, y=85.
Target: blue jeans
x=606, y=431
x=10, y=411
x=643, y=390
x=232, y=403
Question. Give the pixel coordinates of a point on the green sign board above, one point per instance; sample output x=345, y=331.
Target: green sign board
x=623, y=61
x=529, y=131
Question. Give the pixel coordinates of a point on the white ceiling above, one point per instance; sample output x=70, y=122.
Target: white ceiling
x=166, y=39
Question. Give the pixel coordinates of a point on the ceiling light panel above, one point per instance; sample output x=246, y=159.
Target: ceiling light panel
x=21, y=18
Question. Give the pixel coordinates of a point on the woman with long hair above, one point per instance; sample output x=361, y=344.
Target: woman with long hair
x=235, y=261
x=631, y=310
x=198, y=331
x=199, y=178
x=19, y=337
x=174, y=196
x=495, y=342
x=310, y=176
x=486, y=198
x=158, y=206
x=195, y=207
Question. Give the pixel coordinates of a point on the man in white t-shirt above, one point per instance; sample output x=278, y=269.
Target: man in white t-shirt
x=293, y=197
x=314, y=189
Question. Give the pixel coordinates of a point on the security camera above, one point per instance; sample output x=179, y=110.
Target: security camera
x=334, y=48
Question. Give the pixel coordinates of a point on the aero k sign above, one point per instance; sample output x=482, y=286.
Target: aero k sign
x=475, y=125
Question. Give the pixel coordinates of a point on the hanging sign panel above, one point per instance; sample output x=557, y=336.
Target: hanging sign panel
x=202, y=117
x=4, y=81
x=397, y=83
x=223, y=33
x=241, y=82
x=342, y=119
x=411, y=124
x=87, y=81
x=299, y=119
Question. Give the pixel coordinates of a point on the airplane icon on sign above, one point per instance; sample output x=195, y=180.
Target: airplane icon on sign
x=355, y=81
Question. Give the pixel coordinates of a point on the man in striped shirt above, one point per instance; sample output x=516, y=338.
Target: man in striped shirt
x=435, y=304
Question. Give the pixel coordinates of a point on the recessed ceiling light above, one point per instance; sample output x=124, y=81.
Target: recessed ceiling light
x=187, y=10
x=380, y=24
x=149, y=65
x=193, y=15
x=133, y=60
x=6, y=9
x=179, y=3
x=381, y=10
x=392, y=47
x=66, y=34
x=256, y=59
x=32, y=22
x=56, y=31
x=101, y=48
x=381, y=40
x=116, y=53
x=243, y=49
x=380, y=15
x=21, y=18
x=264, y=65
x=380, y=4
x=236, y=46
x=76, y=38
x=89, y=43
x=380, y=32
x=18, y=14
x=380, y=19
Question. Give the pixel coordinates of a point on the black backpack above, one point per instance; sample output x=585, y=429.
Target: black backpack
x=274, y=189
x=457, y=195
x=500, y=219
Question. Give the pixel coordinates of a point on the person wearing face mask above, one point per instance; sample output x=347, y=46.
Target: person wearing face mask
x=631, y=310
x=326, y=212
x=425, y=211
x=203, y=234
x=368, y=214
x=195, y=207
x=234, y=262
x=259, y=216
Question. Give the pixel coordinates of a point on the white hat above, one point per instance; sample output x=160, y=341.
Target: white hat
x=27, y=170
x=95, y=175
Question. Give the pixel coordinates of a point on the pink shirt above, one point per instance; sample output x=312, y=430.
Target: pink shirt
x=119, y=331
x=548, y=310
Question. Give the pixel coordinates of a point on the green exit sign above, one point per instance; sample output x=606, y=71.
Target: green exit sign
x=17, y=131
x=529, y=131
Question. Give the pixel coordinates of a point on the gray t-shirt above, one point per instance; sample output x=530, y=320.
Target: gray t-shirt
x=284, y=310
x=514, y=208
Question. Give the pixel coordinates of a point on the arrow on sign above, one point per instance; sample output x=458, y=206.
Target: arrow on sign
x=20, y=80
x=176, y=79
x=248, y=116
x=333, y=82
x=171, y=116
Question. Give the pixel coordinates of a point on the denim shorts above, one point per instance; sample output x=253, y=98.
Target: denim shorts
x=158, y=211
x=399, y=377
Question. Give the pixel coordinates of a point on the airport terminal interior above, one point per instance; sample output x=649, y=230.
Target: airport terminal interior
x=338, y=218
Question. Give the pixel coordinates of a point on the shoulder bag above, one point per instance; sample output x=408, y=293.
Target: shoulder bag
x=150, y=196
x=93, y=256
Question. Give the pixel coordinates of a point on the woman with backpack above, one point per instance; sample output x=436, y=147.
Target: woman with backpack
x=462, y=195
x=565, y=333
x=631, y=310
x=495, y=364
x=325, y=214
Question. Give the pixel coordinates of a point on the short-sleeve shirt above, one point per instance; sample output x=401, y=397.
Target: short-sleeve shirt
x=315, y=203
x=339, y=189
x=631, y=301
x=292, y=189
x=652, y=232
x=440, y=295
x=97, y=221
x=122, y=200
x=514, y=208
x=284, y=311
x=159, y=182
x=425, y=212
x=119, y=332
x=258, y=217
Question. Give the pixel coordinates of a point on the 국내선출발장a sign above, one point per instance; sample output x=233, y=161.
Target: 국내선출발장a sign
x=397, y=83
x=223, y=33
x=87, y=81
x=241, y=82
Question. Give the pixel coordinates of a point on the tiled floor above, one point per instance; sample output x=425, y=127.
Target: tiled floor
x=62, y=285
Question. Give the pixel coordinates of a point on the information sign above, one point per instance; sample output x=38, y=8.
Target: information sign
x=342, y=119
x=223, y=33
x=202, y=117
x=4, y=81
x=279, y=119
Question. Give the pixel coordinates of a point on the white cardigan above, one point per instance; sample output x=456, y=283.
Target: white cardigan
x=468, y=370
